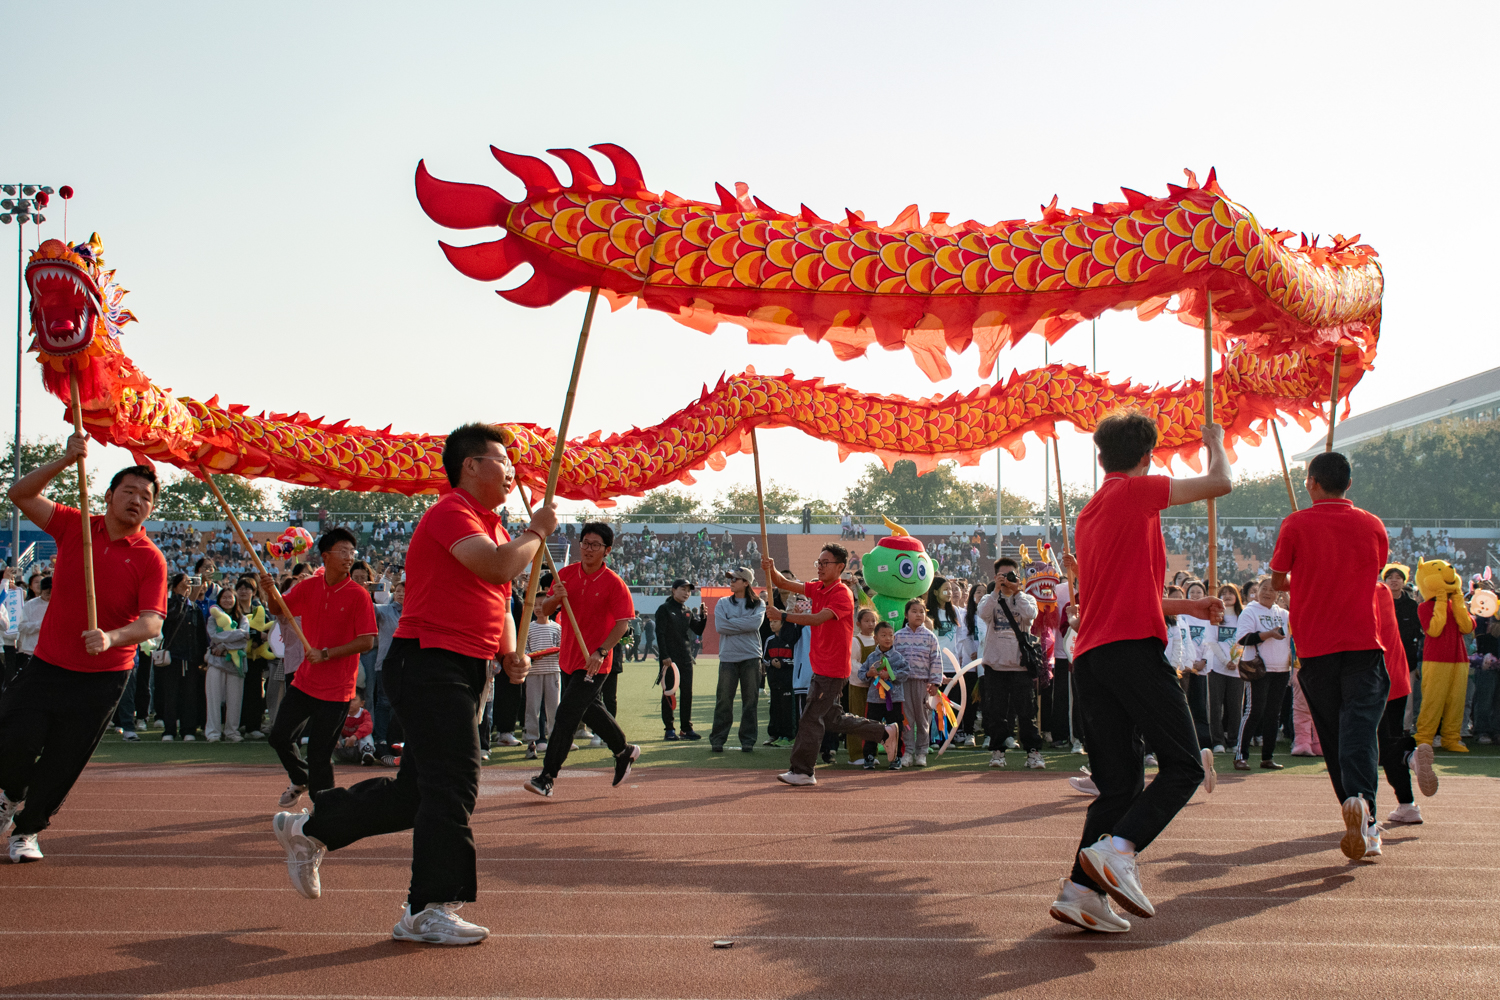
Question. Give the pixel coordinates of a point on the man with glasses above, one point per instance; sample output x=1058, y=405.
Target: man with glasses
x=603, y=608
x=832, y=620
x=455, y=621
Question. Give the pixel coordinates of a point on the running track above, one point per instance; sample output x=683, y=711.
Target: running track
x=167, y=880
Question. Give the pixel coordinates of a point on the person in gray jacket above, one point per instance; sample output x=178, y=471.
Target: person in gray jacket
x=737, y=620
x=1008, y=690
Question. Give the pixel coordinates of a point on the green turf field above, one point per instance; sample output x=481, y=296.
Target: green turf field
x=640, y=716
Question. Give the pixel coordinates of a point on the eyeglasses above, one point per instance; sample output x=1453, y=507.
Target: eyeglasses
x=591, y=545
x=492, y=458
x=827, y=562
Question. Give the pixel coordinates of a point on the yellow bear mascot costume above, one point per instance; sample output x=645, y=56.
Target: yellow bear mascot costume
x=1445, y=660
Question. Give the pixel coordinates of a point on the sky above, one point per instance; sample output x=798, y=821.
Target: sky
x=249, y=169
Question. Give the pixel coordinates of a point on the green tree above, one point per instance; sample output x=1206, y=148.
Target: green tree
x=659, y=503
x=1262, y=495
x=378, y=506
x=189, y=499
x=1444, y=471
x=40, y=451
x=783, y=504
x=941, y=491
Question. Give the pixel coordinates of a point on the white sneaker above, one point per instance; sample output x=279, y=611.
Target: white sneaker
x=256, y=735
x=997, y=759
x=541, y=745
x=1356, y=818
x=1118, y=874
x=988, y=743
x=23, y=848
x=1406, y=812
x=1218, y=748
x=439, y=923
x=906, y=759
x=189, y=738
x=1085, y=785
x=303, y=853
x=1150, y=760
x=1372, y=841
x=1087, y=909
x=597, y=741
x=130, y=736
x=140, y=725
x=1010, y=743
x=166, y=738
x=1077, y=747
x=892, y=741
x=233, y=736
x=291, y=796
x=1034, y=760
x=505, y=740
x=8, y=810
x=1421, y=763
x=920, y=760
x=794, y=778
x=1210, y=776
x=159, y=724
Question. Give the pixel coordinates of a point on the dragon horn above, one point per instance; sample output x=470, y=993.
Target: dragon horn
x=896, y=529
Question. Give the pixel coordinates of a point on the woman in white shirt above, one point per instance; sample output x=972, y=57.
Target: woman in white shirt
x=1264, y=632
x=1226, y=691
x=1195, y=679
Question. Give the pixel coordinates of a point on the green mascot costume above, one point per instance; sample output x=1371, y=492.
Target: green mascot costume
x=896, y=570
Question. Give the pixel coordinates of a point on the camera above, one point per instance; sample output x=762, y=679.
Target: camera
x=1010, y=576
x=195, y=581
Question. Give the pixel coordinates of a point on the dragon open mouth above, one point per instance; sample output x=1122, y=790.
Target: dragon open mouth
x=65, y=303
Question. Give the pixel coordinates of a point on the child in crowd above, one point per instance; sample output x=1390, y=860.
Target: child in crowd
x=859, y=685
x=887, y=665
x=356, y=743
x=781, y=724
x=544, y=682
x=918, y=646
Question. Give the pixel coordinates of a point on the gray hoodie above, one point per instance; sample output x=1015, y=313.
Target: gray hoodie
x=738, y=628
x=1000, y=649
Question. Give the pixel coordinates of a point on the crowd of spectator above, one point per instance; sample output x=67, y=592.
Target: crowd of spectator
x=648, y=558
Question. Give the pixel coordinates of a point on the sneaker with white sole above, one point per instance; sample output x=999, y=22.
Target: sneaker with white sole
x=1406, y=812
x=920, y=760
x=438, y=923
x=1087, y=909
x=166, y=738
x=1372, y=841
x=1077, y=747
x=997, y=759
x=1150, y=760
x=539, y=784
x=505, y=740
x=1010, y=743
x=129, y=736
x=1218, y=748
x=1356, y=817
x=303, y=853
x=291, y=796
x=23, y=848
x=796, y=779
x=1421, y=763
x=234, y=737
x=892, y=741
x=1210, y=776
x=1117, y=873
x=597, y=741
x=189, y=738
x=1085, y=785
x=159, y=724
x=624, y=761
x=8, y=811
x=906, y=759
x=1034, y=760
x=256, y=734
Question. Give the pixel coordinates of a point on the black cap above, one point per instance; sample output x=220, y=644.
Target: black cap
x=680, y=582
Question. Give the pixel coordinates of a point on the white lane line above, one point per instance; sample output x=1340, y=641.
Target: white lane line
x=720, y=893
x=1071, y=939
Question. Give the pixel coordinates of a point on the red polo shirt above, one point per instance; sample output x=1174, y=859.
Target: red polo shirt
x=1390, y=640
x=1330, y=553
x=331, y=616
x=832, y=640
x=130, y=577
x=447, y=606
x=598, y=602
x=1122, y=561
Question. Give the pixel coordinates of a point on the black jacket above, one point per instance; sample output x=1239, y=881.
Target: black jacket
x=674, y=623
x=183, y=632
x=1410, y=626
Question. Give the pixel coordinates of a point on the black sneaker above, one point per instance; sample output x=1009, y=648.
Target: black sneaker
x=688, y=734
x=671, y=735
x=716, y=748
x=539, y=785
x=895, y=766
x=531, y=750
x=367, y=759
x=748, y=748
x=624, y=760
x=827, y=757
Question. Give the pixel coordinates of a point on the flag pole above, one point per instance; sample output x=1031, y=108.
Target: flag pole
x=83, y=509
x=577, y=632
x=1208, y=418
x=1062, y=513
x=1291, y=494
x=1333, y=399
x=760, y=499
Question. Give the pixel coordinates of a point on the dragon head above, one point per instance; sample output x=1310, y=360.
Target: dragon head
x=69, y=305
x=898, y=565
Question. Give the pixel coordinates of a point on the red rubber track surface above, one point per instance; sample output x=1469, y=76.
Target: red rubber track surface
x=167, y=880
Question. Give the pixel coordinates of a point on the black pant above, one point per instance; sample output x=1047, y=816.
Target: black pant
x=125, y=710
x=510, y=704
x=581, y=700
x=781, y=703
x=1395, y=743
x=12, y=664
x=684, y=698
x=742, y=676
x=176, y=698
x=875, y=709
x=51, y=720
x=1010, y=693
x=1058, y=716
x=253, y=701
x=1195, y=690
x=1129, y=693
x=1262, y=717
x=435, y=694
x=321, y=721
x=971, y=706
x=609, y=694
x=1346, y=694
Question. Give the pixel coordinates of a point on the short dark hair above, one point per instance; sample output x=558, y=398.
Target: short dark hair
x=46, y=583
x=176, y=579
x=246, y=583
x=1006, y=561
x=333, y=536
x=298, y=567
x=198, y=566
x=865, y=611
x=464, y=443
x=885, y=624
x=1331, y=471
x=1393, y=569
x=1124, y=438
x=837, y=551
x=915, y=602
x=140, y=472
x=604, y=532
x=361, y=564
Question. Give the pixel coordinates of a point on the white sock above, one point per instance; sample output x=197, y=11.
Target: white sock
x=1073, y=890
x=1122, y=845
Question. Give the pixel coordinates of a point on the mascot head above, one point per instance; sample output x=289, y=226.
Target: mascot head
x=1437, y=580
x=898, y=565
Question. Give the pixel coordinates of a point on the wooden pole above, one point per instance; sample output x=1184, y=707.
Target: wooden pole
x=1333, y=400
x=559, y=443
x=760, y=499
x=83, y=508
x=1062, y=512
x=1208, y=418
x=260, y=567
x=1291, y=494
x=577, y=632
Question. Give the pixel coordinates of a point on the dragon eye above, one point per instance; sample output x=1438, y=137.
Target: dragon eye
x=904, y=568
